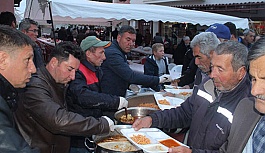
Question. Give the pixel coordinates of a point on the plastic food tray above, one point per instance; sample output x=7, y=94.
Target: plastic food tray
x=154, y=135
x=180, y=92
x=174, y=102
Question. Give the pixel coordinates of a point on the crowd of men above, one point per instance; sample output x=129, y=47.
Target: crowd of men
x=53, y=106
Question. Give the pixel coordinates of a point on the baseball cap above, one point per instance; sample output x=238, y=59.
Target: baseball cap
x=93, y=41
x=220, y=30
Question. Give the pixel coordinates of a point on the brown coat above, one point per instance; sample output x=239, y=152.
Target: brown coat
x=43, y=119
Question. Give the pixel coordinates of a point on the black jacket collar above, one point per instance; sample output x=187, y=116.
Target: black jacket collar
x=8, y=92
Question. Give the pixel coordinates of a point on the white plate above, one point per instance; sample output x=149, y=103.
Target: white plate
x=155, y=135
x=174, y=102
x=170, y=87
x=130, y=135
x=179, y=92
x=155, y=148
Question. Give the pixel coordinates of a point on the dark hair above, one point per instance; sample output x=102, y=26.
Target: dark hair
x=6, y=18
x=127, y=28
x=232, y=28
x=257, y=50
x=64, y=49
x=12, y=39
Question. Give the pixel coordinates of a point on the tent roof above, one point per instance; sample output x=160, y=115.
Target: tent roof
x=84, y=11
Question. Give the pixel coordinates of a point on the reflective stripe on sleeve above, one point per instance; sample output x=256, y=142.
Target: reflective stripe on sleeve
x=205, y=95
x=226, y=113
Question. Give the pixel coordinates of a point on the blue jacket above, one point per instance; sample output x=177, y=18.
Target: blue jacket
x=87, y=99
x=118, y=75
x=207, y=113
x=151, y=68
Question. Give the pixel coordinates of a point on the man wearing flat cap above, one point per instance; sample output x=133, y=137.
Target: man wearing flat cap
x=84, y=94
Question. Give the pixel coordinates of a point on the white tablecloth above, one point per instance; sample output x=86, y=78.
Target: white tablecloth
x=138, y=50
x=46, y=41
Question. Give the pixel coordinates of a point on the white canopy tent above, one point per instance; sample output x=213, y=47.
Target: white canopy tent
x=90, y=12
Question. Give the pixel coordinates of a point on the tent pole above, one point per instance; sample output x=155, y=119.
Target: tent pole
x=53, y=31
x=30, y=8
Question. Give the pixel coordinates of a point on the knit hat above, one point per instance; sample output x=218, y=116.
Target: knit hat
x=92, y=41
x=220, y=30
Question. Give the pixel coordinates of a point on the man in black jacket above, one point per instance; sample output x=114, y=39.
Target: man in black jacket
x=17, y=65
x=208, y=112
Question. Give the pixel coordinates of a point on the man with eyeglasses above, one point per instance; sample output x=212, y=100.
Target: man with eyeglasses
x=30, y=28
x=249, y=37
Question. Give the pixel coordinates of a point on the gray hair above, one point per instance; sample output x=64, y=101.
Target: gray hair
x=26, y=23
x=237, y=50
x=207, y=41
x=127, y=28
x=247, y=31
x=186, y=38
x=257, y=50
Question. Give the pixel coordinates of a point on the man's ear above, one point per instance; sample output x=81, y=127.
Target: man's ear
x=3, y=60
x=242, y=71
x=13, y=24
x=54, y=62
x=24, y=31
x=88, y=53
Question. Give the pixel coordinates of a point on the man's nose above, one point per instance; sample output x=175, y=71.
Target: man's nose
x=72, y=75
x=197, y=61
x=256, y=88
x=213, y=73
x=32, y=68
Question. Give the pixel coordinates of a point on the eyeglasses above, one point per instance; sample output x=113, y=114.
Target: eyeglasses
x=35, y=30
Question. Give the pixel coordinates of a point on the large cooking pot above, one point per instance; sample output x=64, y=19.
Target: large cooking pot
x=113, y=142
x=135, y=112
x=135, y=101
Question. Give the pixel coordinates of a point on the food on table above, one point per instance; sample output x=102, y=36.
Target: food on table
x=117, y=143
x=141, y=139
x=175, y=83
x=130, y=119
x=185, y=93
x=156, y=148
x=115, y=138
x=152, y=105
x=164, y=102
x=170, y=143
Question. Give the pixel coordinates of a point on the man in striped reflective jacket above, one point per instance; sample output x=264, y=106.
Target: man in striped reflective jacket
x=209, y=111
